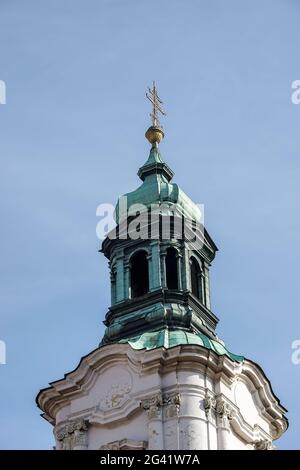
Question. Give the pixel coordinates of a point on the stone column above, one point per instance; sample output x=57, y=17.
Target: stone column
x=171, y=406
x=153, y=406
x=73, y=435
x=63, y=439
x=80, y=439
x=224, y=415
x=209, y=404
x=192, y=422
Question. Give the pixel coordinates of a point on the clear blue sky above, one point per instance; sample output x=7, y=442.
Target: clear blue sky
x=72, y=136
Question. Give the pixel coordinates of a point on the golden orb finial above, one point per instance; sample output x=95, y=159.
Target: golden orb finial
x=155, y=133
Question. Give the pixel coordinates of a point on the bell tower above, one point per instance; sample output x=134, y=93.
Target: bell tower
x=159, y=256
x=161, y=378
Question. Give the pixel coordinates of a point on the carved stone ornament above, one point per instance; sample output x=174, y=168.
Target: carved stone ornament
x=171, y=399
x=263, y=444
x=224, y=413
x=73, y=434
x=222, y=409
x=154, y=405
x=171, y=404
x=111, y=446
x=114, y=391
x=209, y=405
x=125, y=444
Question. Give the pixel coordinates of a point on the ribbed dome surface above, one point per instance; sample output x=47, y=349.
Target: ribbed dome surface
x=172, y=338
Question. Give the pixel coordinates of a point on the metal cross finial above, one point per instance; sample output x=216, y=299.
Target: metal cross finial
x=157, y=105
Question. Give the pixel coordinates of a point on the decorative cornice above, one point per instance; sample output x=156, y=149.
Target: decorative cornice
x=202, y=319
x=187, y=357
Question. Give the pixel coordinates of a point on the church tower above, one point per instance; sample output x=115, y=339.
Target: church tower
x=161, y=378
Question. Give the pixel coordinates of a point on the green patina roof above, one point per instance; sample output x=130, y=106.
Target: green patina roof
x=154, y=158
x=157, y=189
x=172, y=338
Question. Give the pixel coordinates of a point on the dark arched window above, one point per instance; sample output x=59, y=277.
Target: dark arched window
x=113, y=284
x=139, y=274
x=196, y=279
x=171, y=269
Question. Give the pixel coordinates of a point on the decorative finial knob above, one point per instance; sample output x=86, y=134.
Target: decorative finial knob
x=155, y=133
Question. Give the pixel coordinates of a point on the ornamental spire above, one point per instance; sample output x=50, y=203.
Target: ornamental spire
x=155, y=133
x=157, y=103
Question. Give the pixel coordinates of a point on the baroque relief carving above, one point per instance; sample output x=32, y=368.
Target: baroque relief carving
x=115, y=393
x=125, y=444
x=224, y=412
x=114, y=397
x=263, y=444
x=73, y=434
x=222, y=409
x=153, y=406
x=111, y=446
x=209, y=404
x=169, y=402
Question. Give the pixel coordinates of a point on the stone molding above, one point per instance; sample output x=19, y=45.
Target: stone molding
x=187, y=357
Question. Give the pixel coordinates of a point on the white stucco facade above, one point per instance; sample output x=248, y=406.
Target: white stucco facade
x=186, y=398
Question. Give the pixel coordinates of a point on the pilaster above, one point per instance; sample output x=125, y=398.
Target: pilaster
x=73, y=435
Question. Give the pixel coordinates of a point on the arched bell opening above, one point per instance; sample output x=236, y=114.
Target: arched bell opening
x=139, y=274
x=196, y=280
x=172, y=269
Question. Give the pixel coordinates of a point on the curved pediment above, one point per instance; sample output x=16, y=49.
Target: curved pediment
x=110, y=383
